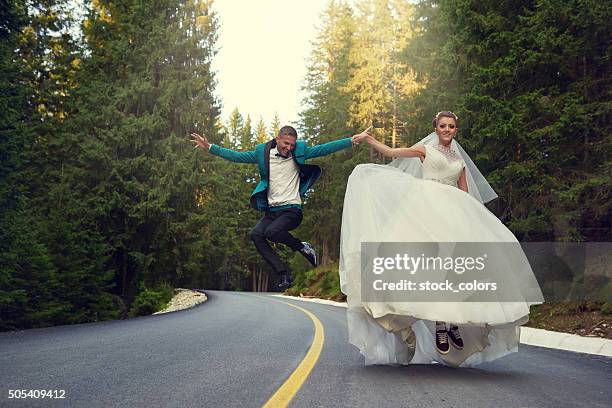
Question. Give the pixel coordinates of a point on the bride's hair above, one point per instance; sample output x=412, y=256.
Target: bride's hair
x=445, y=114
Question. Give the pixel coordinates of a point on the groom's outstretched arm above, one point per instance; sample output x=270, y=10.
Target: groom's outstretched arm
x=227, y=154
x=332, y=147
x=232, y=155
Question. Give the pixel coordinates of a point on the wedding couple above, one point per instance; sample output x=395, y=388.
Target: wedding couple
x=432, y=192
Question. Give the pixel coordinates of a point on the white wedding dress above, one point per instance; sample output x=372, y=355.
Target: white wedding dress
x=385, y=204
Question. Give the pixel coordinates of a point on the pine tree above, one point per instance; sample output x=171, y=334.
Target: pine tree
x=24, y=259
x=326, y=118
x=52, y=266
x=234, y=127
x=246, y=136
x=261, y=134
x=525, y=79
x=275, y=126
x=149, y=83
x=327, y=101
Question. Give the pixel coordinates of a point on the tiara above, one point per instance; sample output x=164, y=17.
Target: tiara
x=454, y=116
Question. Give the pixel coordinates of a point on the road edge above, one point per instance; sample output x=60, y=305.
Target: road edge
x=529, y=335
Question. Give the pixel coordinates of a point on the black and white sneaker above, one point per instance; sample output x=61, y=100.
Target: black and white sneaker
x=442, y=339
x=309, y=253
x=285, y=282
x=455, y=337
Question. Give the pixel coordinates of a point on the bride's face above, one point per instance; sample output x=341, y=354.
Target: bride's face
x=446, y=129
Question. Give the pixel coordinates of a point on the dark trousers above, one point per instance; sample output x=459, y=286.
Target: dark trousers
x=274, y=227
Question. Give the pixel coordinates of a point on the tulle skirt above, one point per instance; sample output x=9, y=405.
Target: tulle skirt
x=385, y=204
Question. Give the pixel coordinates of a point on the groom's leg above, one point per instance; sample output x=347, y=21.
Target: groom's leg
x=284, y=221
x=258, y=236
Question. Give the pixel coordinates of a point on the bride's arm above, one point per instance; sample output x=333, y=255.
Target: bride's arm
x=414, y=151
x=462, y=182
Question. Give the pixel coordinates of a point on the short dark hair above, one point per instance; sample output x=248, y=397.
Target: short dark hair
x=445, y=114
x=287, y=131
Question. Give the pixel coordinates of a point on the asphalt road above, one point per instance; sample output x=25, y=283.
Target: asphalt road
x=237, y=349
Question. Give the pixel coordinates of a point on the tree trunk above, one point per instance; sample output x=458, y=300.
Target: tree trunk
x=260, y=280
x=325, y=253
x=266, y=281
x=254, y=278
x=586, y=134
x=123, y=274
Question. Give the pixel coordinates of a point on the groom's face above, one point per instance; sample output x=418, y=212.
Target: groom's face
x=285, y=144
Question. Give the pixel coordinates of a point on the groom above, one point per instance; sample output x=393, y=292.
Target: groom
x=285, y=178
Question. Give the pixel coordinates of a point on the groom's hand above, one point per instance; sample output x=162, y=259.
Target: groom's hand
x=358, y=138
x=199, y=141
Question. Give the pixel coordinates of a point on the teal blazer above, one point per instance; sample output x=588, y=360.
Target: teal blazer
x=309, y=174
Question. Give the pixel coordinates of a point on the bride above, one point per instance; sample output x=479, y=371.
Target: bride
x=432, y=192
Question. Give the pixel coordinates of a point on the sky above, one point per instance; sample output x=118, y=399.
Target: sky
x=264, y=46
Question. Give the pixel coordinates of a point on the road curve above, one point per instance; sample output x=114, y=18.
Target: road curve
x=238, y=349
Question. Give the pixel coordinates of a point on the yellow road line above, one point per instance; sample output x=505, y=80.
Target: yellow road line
x=283, y=396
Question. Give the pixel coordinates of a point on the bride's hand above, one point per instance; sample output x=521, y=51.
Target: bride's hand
x=361, y=136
